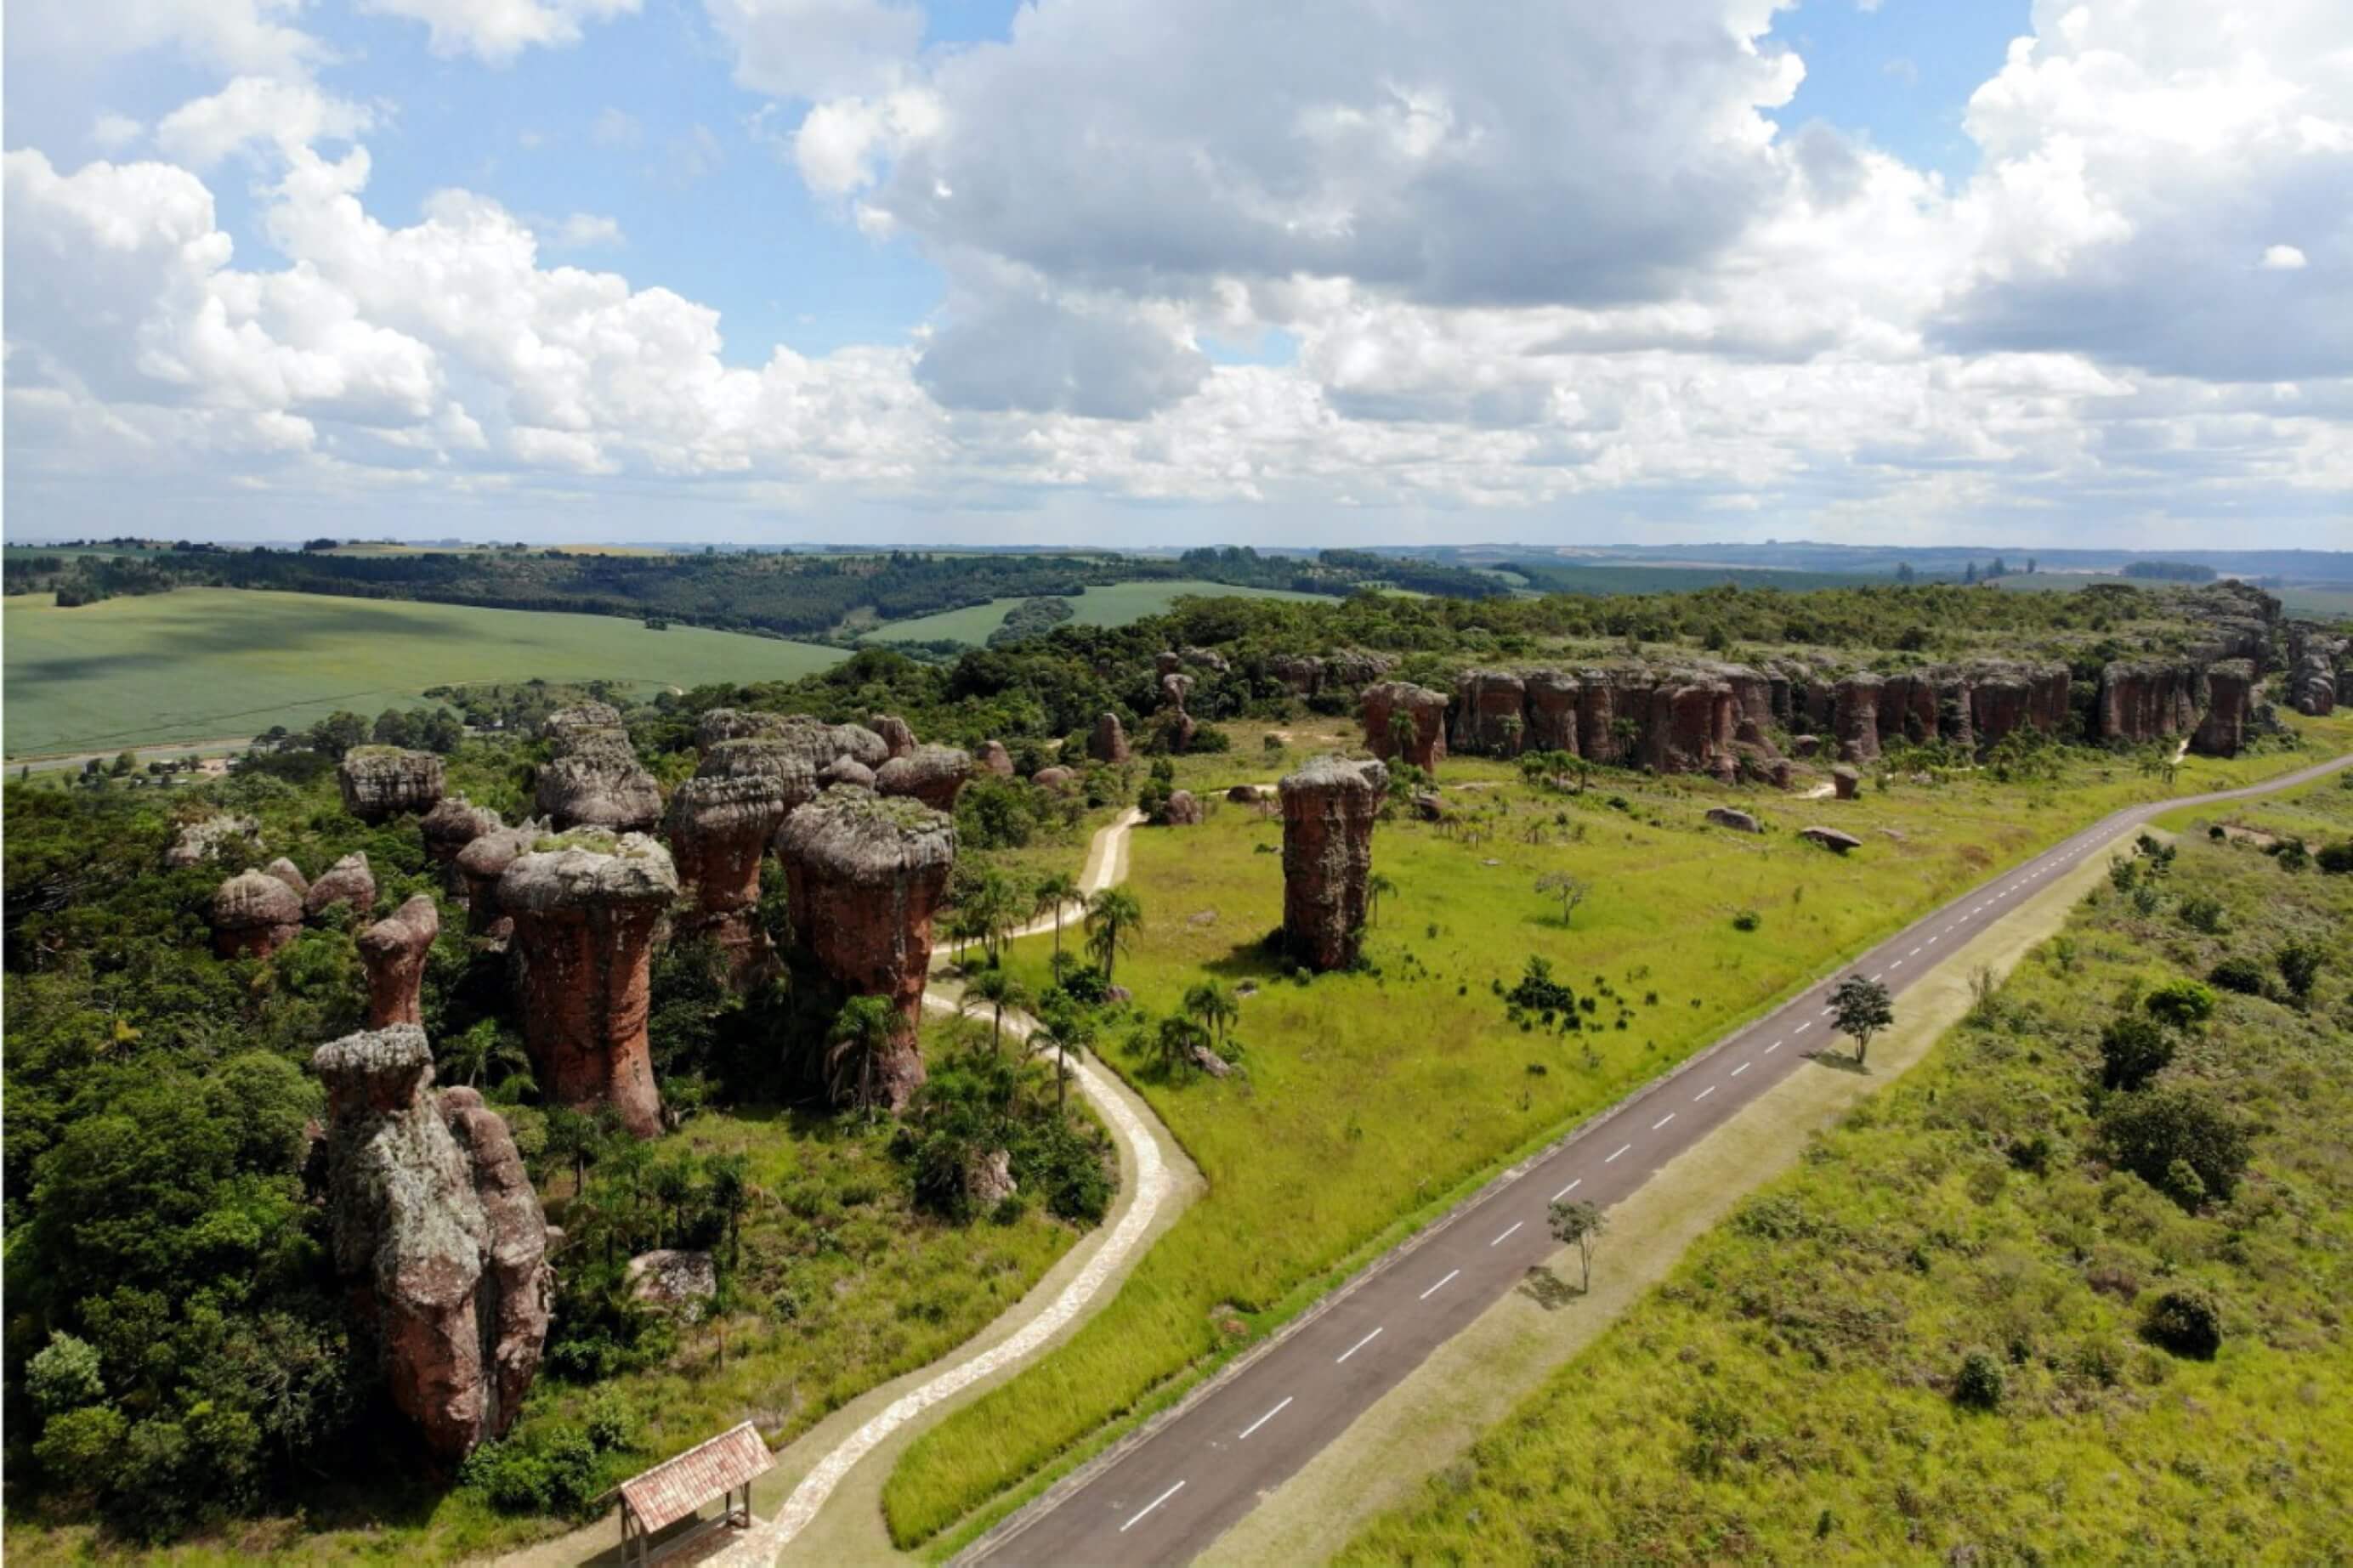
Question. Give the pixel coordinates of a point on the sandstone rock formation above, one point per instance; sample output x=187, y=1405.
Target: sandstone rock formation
x=481, y=864
x=380, y=782
x=846, y=771
x=719, y=830
x=2147, y=700
x=253, y=915
x=1805, y=745
x=200, y=841
x=896, y=734
x=585, y=914
x=347, y=881
x=2317, y=668
x=1855, y=720
x=566, y=722
x=290, y=874
x=440, y=1235
x=394, y=951
x=1109, y=742
x=1831, y=838
x=933, y=774
x=996, y=758
x=452, y=824
x=1846, y=783
x=1424, y=743
x=1059, y=780
x=2230, y=709
x=816, y=741
x=595, y=780
x=865, y=874
x=1302, y=672
x=1175, y=727
x=1328, y=810
x=988, y=1179
x=781, y=762
x=1489, y=712
x=1182, y=811
x=1739, y=821
x=1205, y=658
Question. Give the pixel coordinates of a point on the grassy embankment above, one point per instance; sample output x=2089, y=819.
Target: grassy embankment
x=1788, y=1393
x=1371, y=1100
x=1115, y=606
x=200, y=663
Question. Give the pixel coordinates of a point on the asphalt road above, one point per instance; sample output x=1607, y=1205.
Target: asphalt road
x=1187, y=1480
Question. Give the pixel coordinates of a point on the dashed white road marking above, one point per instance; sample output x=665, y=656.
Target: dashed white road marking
x=1507, y=1235
x=1916, y=952
x=1368, y=1339
x=1434, y=1290
x=1568, y=1189
x=1891, y=968
x=1265, y=1419
x=1741, y=1069
x=1148, y=1508
x=1662, y=1121
x=1800, y=1029
x=1703, y=1094
x=1622, y=1148
x=1774, y=1047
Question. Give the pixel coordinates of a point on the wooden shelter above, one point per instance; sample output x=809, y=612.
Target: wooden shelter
x=678, y=1487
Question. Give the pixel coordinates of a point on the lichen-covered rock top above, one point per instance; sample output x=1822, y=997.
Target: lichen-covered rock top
x=492, y=852
x=815, y=741
x=709, y=804
x=896, y=734
x=202, y=840
x=858, y=836
x=931, y=774
x=566, y=722
x=374, y=1070
x=453, y=823
x=378, y=782
x=597, y=781
x=846, y=770
x=253, y=898
x=1326, y=775
x=588, y=869
x=762, y=756
x=348, y=881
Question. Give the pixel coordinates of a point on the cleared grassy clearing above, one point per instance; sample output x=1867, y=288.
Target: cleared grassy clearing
x=1368, y=1099
x=1115, y=606
x=1786, y=1394
x=198, y=663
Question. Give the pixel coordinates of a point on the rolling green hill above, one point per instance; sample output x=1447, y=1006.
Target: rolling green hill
x=1112, y=606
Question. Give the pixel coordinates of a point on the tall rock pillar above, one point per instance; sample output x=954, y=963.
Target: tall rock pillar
x=1328, y=808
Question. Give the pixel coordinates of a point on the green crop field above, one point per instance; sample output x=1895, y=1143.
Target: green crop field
x=200, y=663
x=1370, y=1100
x=1113, y=606
x=1792, y=1392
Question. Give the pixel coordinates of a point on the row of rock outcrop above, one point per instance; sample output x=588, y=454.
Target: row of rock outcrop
x=2319, y=665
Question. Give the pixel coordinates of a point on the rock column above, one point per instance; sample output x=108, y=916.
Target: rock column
x=253, y=915
x=719, y=832
x=380, y=782
x=1328, y=810
x=394, y=951
x=1424, y=744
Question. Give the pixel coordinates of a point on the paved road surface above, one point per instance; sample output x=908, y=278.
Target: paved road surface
x=1167, y=1497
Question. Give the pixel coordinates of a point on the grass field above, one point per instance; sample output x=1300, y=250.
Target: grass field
x=1788, y=1393
x=1370, y=1100
x=1112, y=606
x=2305, y=601
x=198, y=663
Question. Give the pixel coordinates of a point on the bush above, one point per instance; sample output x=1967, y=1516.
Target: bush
x=2132, y=1051
x=64, y=1375
x=2336, y=859
x=2299, y=966
x=2239, y=974
x=2185, y=1321
x=1747, y=919
x=2152, y=1134
x=2181, y=1003
x=2203, y=914
x=1979, y=1384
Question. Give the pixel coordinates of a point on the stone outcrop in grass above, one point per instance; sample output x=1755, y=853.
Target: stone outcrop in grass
x=437, y=1230
x=719, y=830
x=394, y=951
x=1831, y=838
x=996, y=759
x=1108, y=743
x=253, y=915
x=865, y=874
x=1182, y=811
x=1425, y=745
x=1845, y=783
x=1059, y=780
x=1738, y=820
x=586, y=909
x=347, y=881
x=382, y=782
x=933, y=774
x=1328, y=810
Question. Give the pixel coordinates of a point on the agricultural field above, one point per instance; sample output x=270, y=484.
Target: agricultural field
x=1366, y=1102
x=1984, y=1321
x=1115, y=606
x=201, y=663
x=2305, y=601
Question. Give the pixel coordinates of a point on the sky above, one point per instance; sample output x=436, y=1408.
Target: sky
x=1144, y=272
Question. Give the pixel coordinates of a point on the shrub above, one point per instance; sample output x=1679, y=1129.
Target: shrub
x=2150, y=1135
x=1747, y=919
x=1979, y=1384
x=2185, y=1321
x=2203, y=914
x=2336, y=859
x=2132, y=1051
x=2239, y=974
x=2299, y=966
x=65, y=1375
x=2181, y=1003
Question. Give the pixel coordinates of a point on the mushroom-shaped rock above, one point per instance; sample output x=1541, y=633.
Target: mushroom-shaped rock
x=1739, y=821
x=996, y=759
x=1058, y=779
x=1328, y=809
x=584, y=913
x=719, y=831
x=290, y=874
x=1405, y=721
x=595, y=782
x=437, y=1230
x=200, y=841
x=566, y=722
x=931, y=774
x=394, y=951
x=347, y=881
x=896, y=734
x=253, y=915
x=846, y=770
x=1805, y=745
x=1175, y=689
x=1831, y=838
x=1168, y=662
x=865, y=873
x=783, y=762
x=1108, y=743
x=481, y=864
x=380, y=782
x=452, y=824
x=1845, y=783
x=1182, y=810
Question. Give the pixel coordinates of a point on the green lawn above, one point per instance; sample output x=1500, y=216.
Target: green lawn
x=198, y=663
x=1370, y=1100
x=1788, y=1393
x=1112, y=606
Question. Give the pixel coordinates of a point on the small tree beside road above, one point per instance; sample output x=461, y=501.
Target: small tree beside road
x=1862, y=1008
x=1580, y=1225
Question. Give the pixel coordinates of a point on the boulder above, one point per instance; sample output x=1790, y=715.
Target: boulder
x=896, y=737
x=1183, y=810
x=347, y=881
x=1739, y=821
x=1210, y=1062
x=1206, y=659
x=933, y=774
x=1781, y=774
x=1109, y=742
x=1329, y=807
x=481, y=863
x=846, y=770
x=1175, y=687
x=1061, y=780
x=996, y=759
x=1805, y=745
x=381, y=782
x=1489, y=713
x=1429, y=806
x=253, y=915
x=1831, y=838
x=2230, y=709
x=394, y=951
x=1168, y=662
x=1356, y=667
x=672, y=1279
x=1302, y=672
x=2317, y=668
x=865, y=874
x=989, y=1180
x=1845, y=783
x=1242, y=794
x=1406, y=722
x=452, y=824
x=719, y=830
x=290, y=874
x=595, y=781
x=200, y=841
x=438, y=1234
x=585, y=911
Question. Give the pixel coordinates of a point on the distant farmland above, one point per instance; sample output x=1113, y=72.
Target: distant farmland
x=201, y=663
x=1112, y=606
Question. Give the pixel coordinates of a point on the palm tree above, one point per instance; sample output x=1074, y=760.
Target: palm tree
x=994, y=989
x=1212, y=1006
x=1404, y=730
x=1055, y=892
x=1375, y=886
x=1113, y=917
x=1070, y=1032
x=997, y=912
x=861, y=1038
x=1175, y=1042
x=731, y=1194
